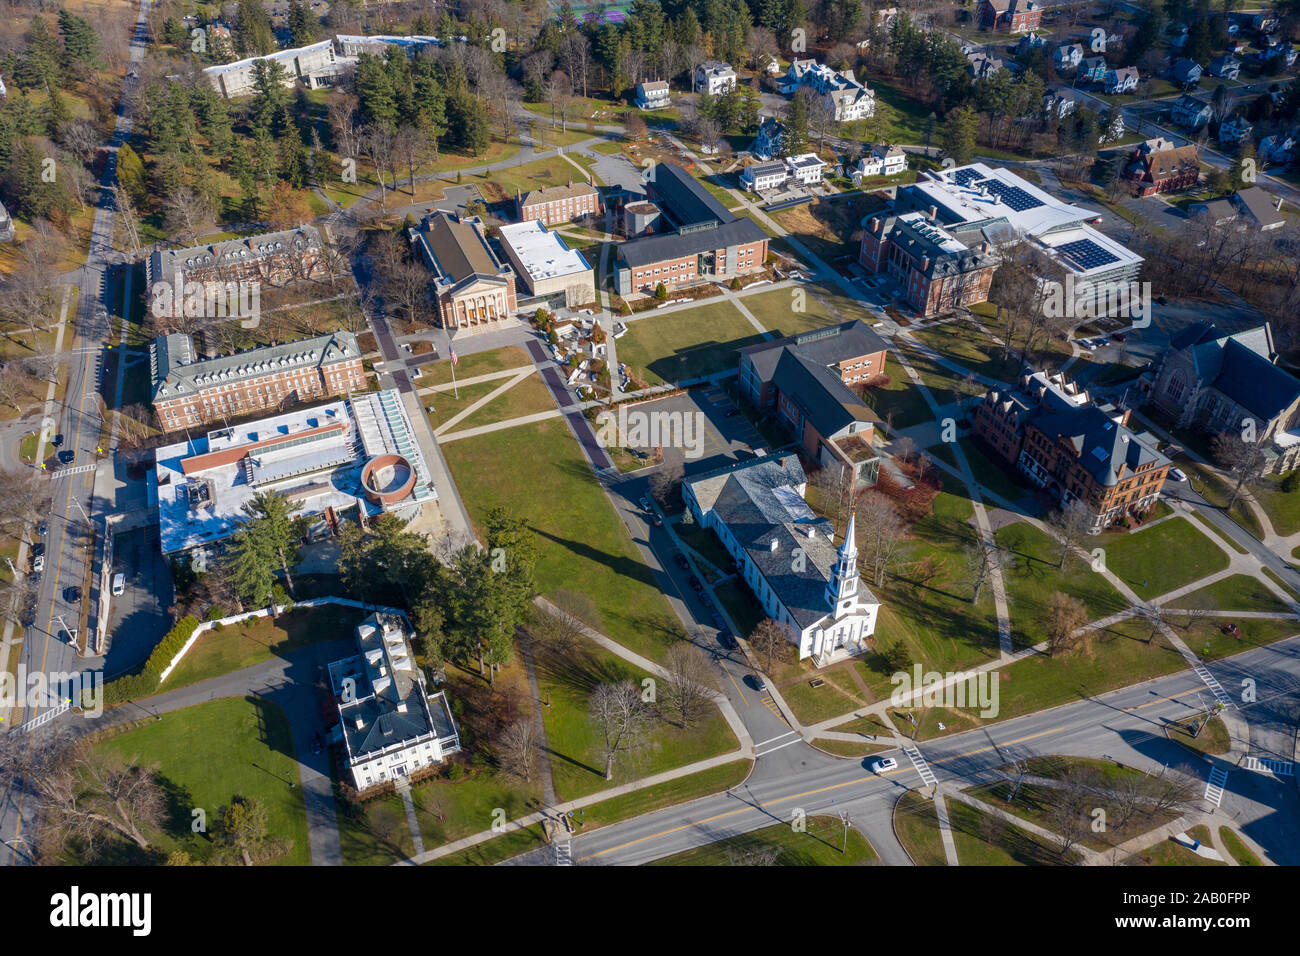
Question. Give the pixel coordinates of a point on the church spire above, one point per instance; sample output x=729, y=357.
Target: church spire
x=843, y=585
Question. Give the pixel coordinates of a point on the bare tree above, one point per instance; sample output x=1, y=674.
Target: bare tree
x=666, y=480
x=563, y=628
x=1071, y=807
x=559, y=94
x=1244, y=461
x=753, y=854
x=982, y=559
x=1172, y=790
x=881, y=534
x=1072, y=524
x=687, y=691
x=187, y=213
x=410, y=144
x=622, y=718
x=517, y=749
x=770, y=641
x=376, y=144
x=1065, y=620
x=344, y=129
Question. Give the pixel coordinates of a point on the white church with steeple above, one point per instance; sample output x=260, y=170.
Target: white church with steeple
x=788, y=556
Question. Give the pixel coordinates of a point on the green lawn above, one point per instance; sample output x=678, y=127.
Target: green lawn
x=581, y=541
x=493, y=851
x=450, y=810
x=1213, y=738
x=705, y=543
x=819, y=845
x=900, y=402
x=1142, y=560
x=704, y=783
x=1238, y=592
x=1169, y=853
x=1032, y=577
x=527, y=397
x=1243, y=854
x=1218, y=493
x=577, y=764
x=446, y=405
x=686, y=344
x=251, y=642
x=468, y=366
x=982, y=839
x=207, y=754
x=1283, y=509
x=917, y=826
x=379, y=835
x=740, y=605
x=792, y=311
x=997, y=477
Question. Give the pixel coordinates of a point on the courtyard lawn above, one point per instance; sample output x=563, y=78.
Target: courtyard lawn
x=740, y=604
x=477, y=363
x=581, y=541
x=446, y=405
x=819, y=845
x=900, y=402
x=526, y=397
x=1161, y=558
x=237, y=646
x=946, y=386
x=1121, y=656
x=777, y=310
x=566, y=683
x=1032, y=577
x=704, y=543
x=207, y=754
x=686, y=344
x=970, y=348
x=1238, y=592
x=1282, y=508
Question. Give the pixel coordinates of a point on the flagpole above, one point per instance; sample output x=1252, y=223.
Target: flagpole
x=451, y=349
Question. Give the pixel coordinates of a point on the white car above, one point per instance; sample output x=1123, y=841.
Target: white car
x=38, y=563
x=884, y=765
x=1177, y=474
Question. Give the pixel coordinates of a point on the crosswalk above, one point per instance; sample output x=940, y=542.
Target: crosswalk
x=1214, y=788
x=1215, y=687
x=564, y=853
x=1280, y=768
x=74, y=470
x=923, y=768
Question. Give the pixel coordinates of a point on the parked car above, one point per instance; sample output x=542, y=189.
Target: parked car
x=1177, y=474
x=726, y=640
x=681, y=560
x=717, y=620
x=760, y=685
x=43, y=528
x=695, y=583
x=645, y=503
x=655, y=520
x=57, y=440
x=884, y=764
x=67, y=455
x=1119, y=336
x=38, y=549
x=38, y=564
x=72, y=594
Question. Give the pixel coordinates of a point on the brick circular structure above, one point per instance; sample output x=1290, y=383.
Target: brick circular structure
x=387, y=479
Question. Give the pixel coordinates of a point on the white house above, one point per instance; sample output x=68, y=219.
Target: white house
x=768, y=144
x=652, y=95
x=806, y=169
x=849, y=98
x=1067, y=56
x=851, y=103
x=1234, y=129
x=787, y=555
x=714, y=78
x=390, y=724
x=893, y=159
x=1123, y=80
x=761, y=177
x=1278, y=148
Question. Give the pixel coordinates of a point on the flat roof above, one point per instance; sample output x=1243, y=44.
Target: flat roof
x=541, y=252
x=975, y=193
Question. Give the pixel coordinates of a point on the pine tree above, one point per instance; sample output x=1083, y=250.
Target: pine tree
x=302, y=23
x=80, y=42
x=252, y=32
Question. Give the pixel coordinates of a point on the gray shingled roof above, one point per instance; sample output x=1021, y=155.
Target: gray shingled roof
x=652, y=249
x=1105, y=447
x=173, y=370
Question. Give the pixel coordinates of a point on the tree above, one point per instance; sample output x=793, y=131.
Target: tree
x=666, y=480
x=1243, y=460
x=982, y=557
x=686, y=695
x=252, y=29
x=302, y=24
x=622, y=719
x=563, y=626
x=881, y=534
x=89, y=795
x=960, y=127
x=1071, y=524
x=517, y=749
x=1065, y=620
x=770, y=641
x=250, y=567
x=241, y=826
x=187, y=214
x=1071, y=805
x=277, y=531
x=795, y=138
x=286, y=207
x=80, y=42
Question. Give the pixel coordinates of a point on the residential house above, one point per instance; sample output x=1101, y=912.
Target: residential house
x=1157, y=166
x=1258, y=209
x=474, y=291
x=1186, y=73
x=1278, y=148
x=981, y=66
x=390, y=725
x=1219, y=212
x=1122, y=80
x=1092, y=69
x=893, y=159
x=769, y=141
x=1029, y=42
x=714, y=78
x=1189, y=112
x=1074, y=449
x=1067, y=57
x=1221, y=382
x=851, y=103
x=1278, y=55
x=1234, y=129
x=843, y=93
x=787, y=555
x=652, y=95
x=1225, y=66
x=806, y=169
x=760, y=177
x=1061, y=103
x=1011, y=16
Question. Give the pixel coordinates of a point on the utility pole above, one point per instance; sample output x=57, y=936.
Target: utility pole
x=844, y=819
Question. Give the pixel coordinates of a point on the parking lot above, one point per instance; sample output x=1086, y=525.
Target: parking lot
x=726, y=434
x=138, y=617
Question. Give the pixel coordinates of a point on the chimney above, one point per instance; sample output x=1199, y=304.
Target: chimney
x=934, y=211
x=360, y=724
x=984, y=247
x=925, y=263
x=875, y=226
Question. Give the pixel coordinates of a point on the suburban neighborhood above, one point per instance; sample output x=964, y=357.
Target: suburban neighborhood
x=645, y=433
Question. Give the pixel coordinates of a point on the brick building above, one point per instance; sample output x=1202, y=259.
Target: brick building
x=272, y=257
x=474, y=290
x=1157, y=166
x=556, y=205
x=1013, y=16
x=807, y=381
x=188, y=391
x=937, y=270
x=1055, y=436
x=707, y=241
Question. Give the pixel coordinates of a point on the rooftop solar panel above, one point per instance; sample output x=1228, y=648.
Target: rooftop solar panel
x=1086, y=254
x=1013, y=196
x=964, y=177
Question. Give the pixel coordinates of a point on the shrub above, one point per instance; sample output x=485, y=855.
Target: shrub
x=215, y=613
x=1292, y=481
x=735, y=284
x=146, y=681
x=455, y=771
x=661, y=292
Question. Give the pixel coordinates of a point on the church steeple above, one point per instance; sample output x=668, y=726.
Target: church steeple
x=842, y=588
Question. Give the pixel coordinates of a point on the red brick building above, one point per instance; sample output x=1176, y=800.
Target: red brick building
x=936, y=269
x=556, y=205
x=1158, y=166
x=473, y=289
x=1012, y=16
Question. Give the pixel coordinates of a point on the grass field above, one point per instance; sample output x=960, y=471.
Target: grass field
x=1144, y=559
x=1237, y=592
x=447, y=405
x=1213, y=738
x=1283, y=509
x=648, y=799
x=1243, y=854
x=491, y=852
x=983, y=839
x=686, y=344
x=819, y=845
x=477, y=363
x=581, y=541
x=211, y=752
x=917, y=826
x=527, y=397
x=901, y=401
x=251, y=642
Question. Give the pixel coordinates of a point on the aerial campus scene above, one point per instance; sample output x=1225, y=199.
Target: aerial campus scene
x=732, y=434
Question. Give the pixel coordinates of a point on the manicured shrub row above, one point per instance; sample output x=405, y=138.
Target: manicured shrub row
x=144, y=683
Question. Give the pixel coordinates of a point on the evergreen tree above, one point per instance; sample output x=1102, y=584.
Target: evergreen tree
x=39, y=67
x=302, y=23
x=269, y=93
x=375, y=95
x=252, y=29
x=80, y=42
x=960, y=126
x=130, y=174
x=795, y=139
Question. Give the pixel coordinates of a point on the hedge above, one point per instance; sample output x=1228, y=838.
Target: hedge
x=144, y=683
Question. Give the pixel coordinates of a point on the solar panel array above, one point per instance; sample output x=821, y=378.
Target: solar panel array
x=1013, y=196
x=1086, y=254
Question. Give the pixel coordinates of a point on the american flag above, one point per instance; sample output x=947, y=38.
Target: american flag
x=454, y=361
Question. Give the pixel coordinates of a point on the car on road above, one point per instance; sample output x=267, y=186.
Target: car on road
x=758, y=683
x=57, y=440
x=695, y=583
x=72, y=594
x=119, y=584
x=67, y=455
x=682, y=561
x=655, y=520
x=68, y=635
x=35, y=579
x=884, y=765
x=726, y=640
x=644, y=502
x=1097, y=222
x=43, y=528
x=1177, y=474
x=1119, y=336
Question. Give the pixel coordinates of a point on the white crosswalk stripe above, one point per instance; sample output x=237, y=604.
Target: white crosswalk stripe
x=1215, y=687
x=923, y=768
x=74, y=470
x=1214, y=788
x=1282, y=768
x=564, y=853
